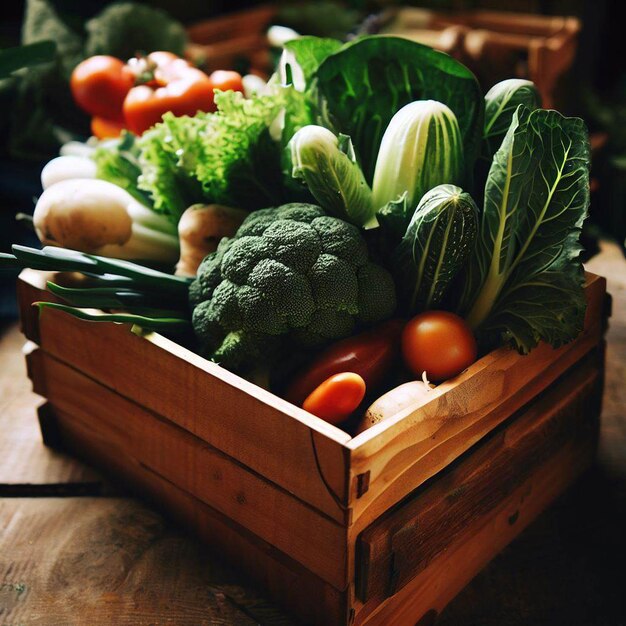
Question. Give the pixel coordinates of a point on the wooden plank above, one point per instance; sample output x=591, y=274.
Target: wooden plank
x=425, y=597
x=264, y=432
x=27, y=467
x=276, y=516
x=401, y=453
x=284, y=579
x=438, y=515
x=103, y=561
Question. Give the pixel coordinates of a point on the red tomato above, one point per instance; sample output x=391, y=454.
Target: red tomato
x=336, y=398
x=369, y=354
x=438, y=343
x=99, y=85
x=225, y=80
x=105, y=129
x=176, y=86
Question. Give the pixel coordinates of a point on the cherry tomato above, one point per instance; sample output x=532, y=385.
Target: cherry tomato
x=175, y=86
x=438, y=343
x=336, y=398
x=105, y=129
x=99, y=85
x=226, y=79
x=369, y=354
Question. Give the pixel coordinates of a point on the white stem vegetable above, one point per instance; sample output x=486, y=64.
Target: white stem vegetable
x=327, y=164
x=98, y=217
x=421, y=148
x=253, y=85
x=67, y=167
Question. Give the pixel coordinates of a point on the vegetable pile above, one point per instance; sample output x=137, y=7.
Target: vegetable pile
x=366, y=184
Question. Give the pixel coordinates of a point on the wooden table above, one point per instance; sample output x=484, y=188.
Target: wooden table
x=78, y=550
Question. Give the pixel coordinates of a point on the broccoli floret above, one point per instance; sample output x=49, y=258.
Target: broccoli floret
x=290, y=276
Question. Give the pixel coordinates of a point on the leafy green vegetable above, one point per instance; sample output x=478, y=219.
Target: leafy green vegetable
x=364, y=84
x=113, y=284
x=157, y=324
x=42, y=23
x=63, y=260
x=13, y=59
x=525, y=279
x=501, y=102
x=421, y=148
x=124, y=28
x=169, y=154
x=303, y=56
x=328, y=167
x=241, y=159
x=438, y=241
x=118, y=162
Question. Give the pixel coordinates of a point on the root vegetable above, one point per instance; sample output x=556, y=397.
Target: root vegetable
x=200, y=229
x=411, y=394
x=98, y=217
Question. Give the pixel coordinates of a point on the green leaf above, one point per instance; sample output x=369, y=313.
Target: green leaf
x=438, y=241
x=125, y=28
x=241, y=156
x=157, y=324
x=12, y=59
x=64, y=260
x=42, y=23
x=525, y=279
x=501, y=102
x=306, y=53
x=169, y=155
x=118, y=162
x=363, y=85
x=327, y=165
x=115, y=298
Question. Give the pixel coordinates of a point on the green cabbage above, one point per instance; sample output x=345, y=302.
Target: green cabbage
x=438, y=241
x=328, y=167
x=420, y=149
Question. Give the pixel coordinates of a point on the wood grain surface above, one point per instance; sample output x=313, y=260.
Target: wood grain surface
x=74, y=561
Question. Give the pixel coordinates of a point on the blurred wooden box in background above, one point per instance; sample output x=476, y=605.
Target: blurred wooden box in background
x=494, y=45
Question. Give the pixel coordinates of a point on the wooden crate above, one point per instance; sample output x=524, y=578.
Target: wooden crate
x=383, y=528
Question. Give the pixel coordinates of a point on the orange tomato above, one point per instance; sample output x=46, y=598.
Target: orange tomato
x=105, y=129
x=174, y=86
x=99, y=85
x=336, y=398
x=439, y=343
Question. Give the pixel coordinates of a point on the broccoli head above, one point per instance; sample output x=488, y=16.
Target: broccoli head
x=290, y=275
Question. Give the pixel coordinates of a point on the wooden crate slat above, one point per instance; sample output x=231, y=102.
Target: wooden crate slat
x=314, y=600
x=399, y=456
x=403, y=543
x=264, y=432
x=277, y=517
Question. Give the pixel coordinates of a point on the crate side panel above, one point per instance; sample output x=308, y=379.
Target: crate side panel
x=428, y=523
x=257, y=428
x=284, y=579
x=403, y=598
x=420, y=443
x=297, y=529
